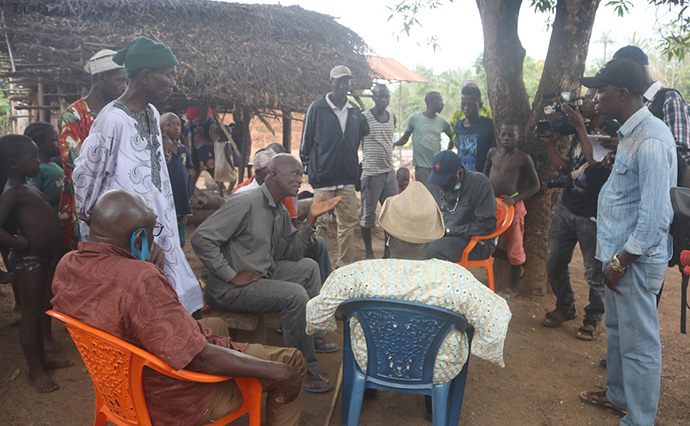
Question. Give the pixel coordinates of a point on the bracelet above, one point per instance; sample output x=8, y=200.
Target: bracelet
x=306, y=225
x=616, y=264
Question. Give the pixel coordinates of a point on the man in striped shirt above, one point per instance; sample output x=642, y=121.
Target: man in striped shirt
x=378, y=174
x=674, y=110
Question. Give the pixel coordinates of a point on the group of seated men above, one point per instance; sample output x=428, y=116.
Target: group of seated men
x=259, y=268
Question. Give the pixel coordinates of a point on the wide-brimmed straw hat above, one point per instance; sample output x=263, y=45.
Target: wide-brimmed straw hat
x=412, y=215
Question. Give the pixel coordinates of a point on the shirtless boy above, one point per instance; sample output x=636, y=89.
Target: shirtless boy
x=505, y=167
x=30, y=228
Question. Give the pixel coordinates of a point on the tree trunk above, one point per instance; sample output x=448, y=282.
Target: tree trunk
x=564, y=64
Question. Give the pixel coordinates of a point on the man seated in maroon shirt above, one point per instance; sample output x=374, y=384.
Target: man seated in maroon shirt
x=105, y=285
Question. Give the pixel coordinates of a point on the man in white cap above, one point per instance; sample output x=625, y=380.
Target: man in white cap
x=413, y=220
x=333, y=129
x=108, y=81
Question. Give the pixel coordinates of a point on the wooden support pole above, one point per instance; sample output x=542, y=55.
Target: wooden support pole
x=246, y=118
x=42, y=112
x=287, y=131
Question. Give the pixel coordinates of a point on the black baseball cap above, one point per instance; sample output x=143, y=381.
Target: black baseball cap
x=632, y=52
x=445, y=164
x=620, y=73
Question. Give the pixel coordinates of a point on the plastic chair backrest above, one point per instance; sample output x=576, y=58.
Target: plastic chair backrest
x=504, y=217
x=116, y=367
x=403, y=338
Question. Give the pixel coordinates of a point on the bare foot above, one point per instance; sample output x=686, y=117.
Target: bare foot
x=49, y=346
x=42, y=383
x=52, y=364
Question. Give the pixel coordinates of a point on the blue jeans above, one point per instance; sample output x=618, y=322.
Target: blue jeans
x=322, y=258
x=633, y=359
x=568, y=229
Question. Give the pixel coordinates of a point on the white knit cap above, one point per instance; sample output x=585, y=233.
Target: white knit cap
x=101, y=62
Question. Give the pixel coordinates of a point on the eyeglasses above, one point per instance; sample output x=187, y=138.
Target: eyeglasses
x=157, y=229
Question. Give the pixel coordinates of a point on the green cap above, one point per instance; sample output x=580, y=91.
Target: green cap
x=143, y=53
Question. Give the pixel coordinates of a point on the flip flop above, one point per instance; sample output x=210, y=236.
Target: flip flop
x=315, y=377
x=599, y=400
x=323, y=347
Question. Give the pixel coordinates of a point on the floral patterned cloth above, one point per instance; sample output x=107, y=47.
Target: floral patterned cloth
x=433, y=282
x=74, y=125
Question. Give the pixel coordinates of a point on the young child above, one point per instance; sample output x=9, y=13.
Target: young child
x=51, y=178
x=403, y=177
x=179, y=162
x=31, y=229
x=505, y=167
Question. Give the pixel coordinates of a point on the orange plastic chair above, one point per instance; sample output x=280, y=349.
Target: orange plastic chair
x=504, y=217
x=116, y=367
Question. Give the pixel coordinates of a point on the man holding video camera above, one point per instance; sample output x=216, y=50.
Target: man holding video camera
x=581, y=176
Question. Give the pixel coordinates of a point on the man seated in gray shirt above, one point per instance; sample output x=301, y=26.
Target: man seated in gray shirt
x=255, y=258
x=467, y=202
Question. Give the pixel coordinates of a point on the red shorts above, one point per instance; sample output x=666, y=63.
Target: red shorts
x=513, y=236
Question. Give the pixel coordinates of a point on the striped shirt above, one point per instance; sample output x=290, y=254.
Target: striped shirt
x=377, y=146
x=676, y=115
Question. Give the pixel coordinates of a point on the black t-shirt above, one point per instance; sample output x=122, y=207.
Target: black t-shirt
x=474, y=142
x=581, y=199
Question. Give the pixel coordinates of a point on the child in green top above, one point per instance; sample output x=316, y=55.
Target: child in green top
x=51, y=178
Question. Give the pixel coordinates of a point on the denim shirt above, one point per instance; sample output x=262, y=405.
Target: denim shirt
x=634, y=210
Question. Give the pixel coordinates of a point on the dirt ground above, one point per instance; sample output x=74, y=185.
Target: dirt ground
x=545, y=371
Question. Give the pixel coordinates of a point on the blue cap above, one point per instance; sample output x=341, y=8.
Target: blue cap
x=634, y=53
x=445, y=164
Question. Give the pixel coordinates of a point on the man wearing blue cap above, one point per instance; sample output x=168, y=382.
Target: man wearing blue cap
x=467, y=202
x=124, y=150
x=633, y=243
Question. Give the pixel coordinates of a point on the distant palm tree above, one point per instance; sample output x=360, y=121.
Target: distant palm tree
x=606, y=39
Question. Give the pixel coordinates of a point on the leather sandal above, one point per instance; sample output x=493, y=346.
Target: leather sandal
x=599, y=400
x=588, y=330
x=558, y=316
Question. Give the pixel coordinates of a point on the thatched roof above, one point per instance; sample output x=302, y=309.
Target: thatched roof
x=263, y=57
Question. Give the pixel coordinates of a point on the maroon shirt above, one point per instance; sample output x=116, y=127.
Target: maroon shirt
x=105, y=287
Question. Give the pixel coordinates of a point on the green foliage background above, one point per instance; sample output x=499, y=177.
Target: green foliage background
x=449, y=84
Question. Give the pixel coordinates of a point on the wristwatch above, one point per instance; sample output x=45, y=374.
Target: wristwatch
x=616, y=264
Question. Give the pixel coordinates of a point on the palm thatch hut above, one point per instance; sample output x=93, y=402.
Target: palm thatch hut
x=265, y=59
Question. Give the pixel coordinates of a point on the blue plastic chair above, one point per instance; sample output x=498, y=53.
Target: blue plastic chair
x=403, y=339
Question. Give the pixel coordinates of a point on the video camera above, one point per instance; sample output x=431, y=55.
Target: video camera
x=552, y=107
x=561, y=180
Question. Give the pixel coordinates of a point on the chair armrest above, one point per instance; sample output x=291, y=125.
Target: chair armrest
x=470, y=246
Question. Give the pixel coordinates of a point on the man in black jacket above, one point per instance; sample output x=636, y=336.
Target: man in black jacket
x=333, y=128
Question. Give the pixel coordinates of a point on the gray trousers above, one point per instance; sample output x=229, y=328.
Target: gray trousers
x=568, y=229
x=291, y=286
x=421, y=175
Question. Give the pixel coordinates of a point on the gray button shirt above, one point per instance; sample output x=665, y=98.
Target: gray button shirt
x=248, y=232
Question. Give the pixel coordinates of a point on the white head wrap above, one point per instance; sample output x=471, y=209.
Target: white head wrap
x=101, y=62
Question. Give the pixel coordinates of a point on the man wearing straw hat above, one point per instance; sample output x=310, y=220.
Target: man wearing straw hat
x=124, y=150
x=108, y=81
x=413, y=220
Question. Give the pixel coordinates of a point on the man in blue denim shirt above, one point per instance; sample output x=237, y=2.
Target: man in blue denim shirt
x=633, y=243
